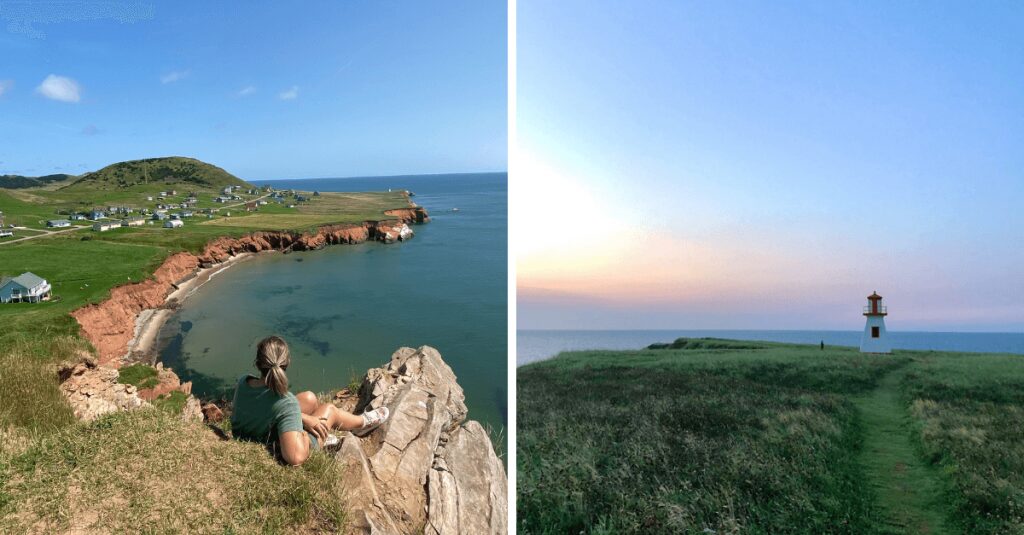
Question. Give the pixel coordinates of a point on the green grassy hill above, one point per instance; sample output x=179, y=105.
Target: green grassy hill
x=178, y=171
x=742, y=437
x=19, y=181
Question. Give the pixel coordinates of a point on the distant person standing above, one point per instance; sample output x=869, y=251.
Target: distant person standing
x=822, y=345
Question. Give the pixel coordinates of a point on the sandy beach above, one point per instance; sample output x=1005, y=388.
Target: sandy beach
x=149, y=321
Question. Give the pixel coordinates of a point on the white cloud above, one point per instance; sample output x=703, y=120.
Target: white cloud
x=59, y=88
x=173, y=76
x=5, y=85
x=245, y=91
x=290, y=94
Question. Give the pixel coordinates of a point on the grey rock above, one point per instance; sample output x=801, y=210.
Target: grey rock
x=426, y=470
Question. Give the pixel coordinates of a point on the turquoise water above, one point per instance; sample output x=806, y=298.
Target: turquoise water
x=346, y=308
x=534, y=345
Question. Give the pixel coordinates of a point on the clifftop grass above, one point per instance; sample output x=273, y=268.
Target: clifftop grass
x=146, y=471
x=718, y=436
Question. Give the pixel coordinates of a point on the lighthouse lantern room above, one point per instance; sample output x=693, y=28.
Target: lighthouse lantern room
x=874, y=339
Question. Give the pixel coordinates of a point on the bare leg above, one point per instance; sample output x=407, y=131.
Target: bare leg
x=307, y=402
x=337, y=418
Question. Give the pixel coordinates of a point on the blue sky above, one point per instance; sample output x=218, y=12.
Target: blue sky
x=263, y=89
x=770, y=164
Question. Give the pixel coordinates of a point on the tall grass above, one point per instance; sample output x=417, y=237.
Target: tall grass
x=969, y=415
x=147, y=471
x=677, y=441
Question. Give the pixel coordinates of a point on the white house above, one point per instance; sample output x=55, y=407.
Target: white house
x=58, y=223
x=25, y=288
x=174, y=223
x=103, y=226
x=133, y=222
x=875, y=339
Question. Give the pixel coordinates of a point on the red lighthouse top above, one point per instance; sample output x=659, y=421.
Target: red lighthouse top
x=875, y=307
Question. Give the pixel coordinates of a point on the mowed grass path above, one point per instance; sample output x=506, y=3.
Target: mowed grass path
x=910, y=492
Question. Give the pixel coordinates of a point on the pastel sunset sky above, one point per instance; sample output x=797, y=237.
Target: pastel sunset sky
x=756, y=165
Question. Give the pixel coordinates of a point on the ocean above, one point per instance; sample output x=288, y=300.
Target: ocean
x=534, y=345
x=346, y=308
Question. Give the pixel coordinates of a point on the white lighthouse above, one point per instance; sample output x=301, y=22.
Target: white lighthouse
x=874, y=339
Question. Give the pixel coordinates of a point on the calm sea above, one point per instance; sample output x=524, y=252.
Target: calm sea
x=532, y=345
x=344, y=309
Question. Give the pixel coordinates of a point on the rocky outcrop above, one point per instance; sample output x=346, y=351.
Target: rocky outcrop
x=110, y=325
x=412, y=214
x=426, y=470
x=167, y=382
x=92, y=390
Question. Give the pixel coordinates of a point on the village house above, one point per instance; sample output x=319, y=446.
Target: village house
x=78, y=217
x=58, y=223
x=262, y=202
x=226, y=190
x=6, y=234
x=97, y=214
x=133, y=222
x=149, y=198
x=187, y=213
x=103, y=226
x=159, y=215
x=174, y=223
x=25, y=288
x=251, y=207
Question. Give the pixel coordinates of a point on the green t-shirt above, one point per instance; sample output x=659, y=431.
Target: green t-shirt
x=259, y=414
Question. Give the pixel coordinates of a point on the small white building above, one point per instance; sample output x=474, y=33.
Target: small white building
x=25, y=288
x=58, y=223
x=875, y=339
x=133, y=222
x=103, y=226
x=174, y=223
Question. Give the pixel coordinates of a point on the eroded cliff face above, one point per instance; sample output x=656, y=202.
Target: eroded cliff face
x=110, y=325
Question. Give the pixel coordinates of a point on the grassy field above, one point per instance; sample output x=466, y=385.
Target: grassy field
x=146, y=471
x=741, y=437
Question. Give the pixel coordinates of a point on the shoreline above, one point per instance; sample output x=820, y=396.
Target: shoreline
x=149, y=322
x=145, y=306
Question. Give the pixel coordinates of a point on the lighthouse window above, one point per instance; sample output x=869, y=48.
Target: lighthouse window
x=874, y=332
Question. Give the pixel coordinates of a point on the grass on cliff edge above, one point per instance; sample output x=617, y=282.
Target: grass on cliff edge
x=767, y=439
x=146, y=471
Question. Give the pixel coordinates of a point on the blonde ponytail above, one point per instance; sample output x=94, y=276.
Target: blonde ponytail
x=272, y=358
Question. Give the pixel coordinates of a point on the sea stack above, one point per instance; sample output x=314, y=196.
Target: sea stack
x=874, y=339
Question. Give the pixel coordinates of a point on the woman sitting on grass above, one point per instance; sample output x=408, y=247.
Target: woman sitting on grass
x=265, y=411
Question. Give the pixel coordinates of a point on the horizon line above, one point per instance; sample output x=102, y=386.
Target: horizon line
x=768, y=330
x=383, y=176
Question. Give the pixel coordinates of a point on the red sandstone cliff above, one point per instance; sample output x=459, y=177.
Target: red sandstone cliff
x=110, y=325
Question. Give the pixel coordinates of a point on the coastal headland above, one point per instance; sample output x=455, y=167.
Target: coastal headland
x=732, y=436
x=118, y=272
